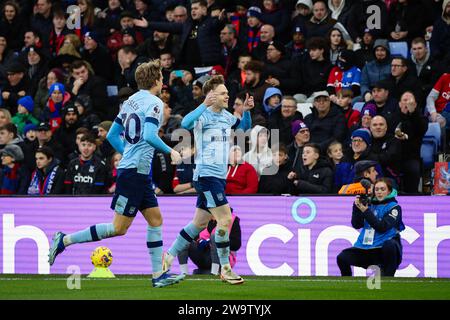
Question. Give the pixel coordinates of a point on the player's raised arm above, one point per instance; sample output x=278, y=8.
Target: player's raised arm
x=151, y=136
x=191, y=117
x=114, y=135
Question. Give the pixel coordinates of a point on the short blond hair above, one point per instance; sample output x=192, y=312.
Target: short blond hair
x=212, y=83
x=147, y=74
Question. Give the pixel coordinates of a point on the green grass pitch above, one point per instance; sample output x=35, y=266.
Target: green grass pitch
x=49, y=287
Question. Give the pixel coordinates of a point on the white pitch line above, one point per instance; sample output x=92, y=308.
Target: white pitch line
x=249, y=280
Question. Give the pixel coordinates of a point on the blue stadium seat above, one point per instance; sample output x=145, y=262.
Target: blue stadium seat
x=430, y=145
x=358, y=106
x=399, y=49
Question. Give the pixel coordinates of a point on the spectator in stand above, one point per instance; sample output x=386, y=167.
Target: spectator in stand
x=377, y=69
x=154, y=46
x=14, y=176
x=275, y=14
x=230, y=49
x=385, y=149
x=315, y=175
x=271, y=104
x=97, y=55
x=29, y=134
x=184, y=172
x=41, y=96
x=365, y=52
x=202, y=31
x=104, y=149
x=274, y=180
x=402, y=79
x=235, y=81
x=66, y=133
x=83, y=82
x=335, y=153
x=87, y=119
x=410, y=126
x=5, y=117
x=59, y=30
x=361, y=141
x=128, y=60
x=406, y=20
x=7, y=56
x=364, y=169
x=8, y=135
x=13, y=26
x=31, y=37
x=255, y=84
x=115, y=160
x=344, y=100
x=250, y=33
x=360, y=14
x=382, y=100
x=58, y=98
x=18, y=86
x=88, y=17
x=87, y=174
x=109, y=18
x=24, y=114
x=301, y=135
x=425, y=68
x=337, y=44
x=260, y=155
x=440, y=39
x=48, y=177
x=302, y=13
x=162, y=171
x=170, y=122
x=326, y=122
x=296, y=48
x=78, y=135
x=315, y=69
x=282, y=118
x=340, y=10
x=267, y=35
x=242, y=177
x=345, y=75
x=438, y=102
x=37, y=67
x=42, y=19
x=321, y=21
x=167, y=64
x=368, y=111
x=280, y=71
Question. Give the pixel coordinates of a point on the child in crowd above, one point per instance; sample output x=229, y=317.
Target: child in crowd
x=115, y=160
x=344, y=100
x=24, y=114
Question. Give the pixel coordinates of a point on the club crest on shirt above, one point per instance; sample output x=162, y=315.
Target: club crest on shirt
x=156, y=109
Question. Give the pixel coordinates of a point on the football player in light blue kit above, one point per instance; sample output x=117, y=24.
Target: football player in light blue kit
x=212, y=126
x=138, y=120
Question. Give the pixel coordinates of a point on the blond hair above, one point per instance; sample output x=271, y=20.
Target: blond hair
x=212, y=83
x=147, y=74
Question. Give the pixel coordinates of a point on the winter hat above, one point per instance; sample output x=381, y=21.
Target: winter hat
x=29, y=127
x=381, y=43
x=93, y=35
x=306, y=3
x=26, y=102
x=70, y=108
x=57, y=86
x=278, y=45
x=130, y=31
x=363, y=134
x=369, y=110
x=296, y=126
x=217, y=69
x=254, y=12
x=105, y=125
x=13, y=151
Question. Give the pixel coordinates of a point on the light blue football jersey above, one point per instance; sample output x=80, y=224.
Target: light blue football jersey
x=139, y=108
x=212, y=133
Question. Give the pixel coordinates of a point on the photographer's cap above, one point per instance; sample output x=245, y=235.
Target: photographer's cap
x=363, y=165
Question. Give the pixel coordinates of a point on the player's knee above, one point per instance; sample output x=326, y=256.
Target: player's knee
x=224, y=222
x=120, y=230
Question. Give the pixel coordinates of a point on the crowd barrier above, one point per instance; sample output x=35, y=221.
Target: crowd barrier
x=285, y=236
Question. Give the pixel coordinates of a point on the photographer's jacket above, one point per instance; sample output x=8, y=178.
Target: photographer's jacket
x=380, y=223
x=86, y=177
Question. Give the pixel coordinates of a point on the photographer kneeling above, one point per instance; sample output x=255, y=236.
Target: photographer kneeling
x=379, y=241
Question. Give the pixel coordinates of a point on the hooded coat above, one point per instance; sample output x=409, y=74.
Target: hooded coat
x=376, y=70
x=259, y=160
x=440, y=39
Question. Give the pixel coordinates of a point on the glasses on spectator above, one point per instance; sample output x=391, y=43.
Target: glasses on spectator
x=357, y=140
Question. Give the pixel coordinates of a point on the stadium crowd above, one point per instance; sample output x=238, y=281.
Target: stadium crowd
x=62, y=84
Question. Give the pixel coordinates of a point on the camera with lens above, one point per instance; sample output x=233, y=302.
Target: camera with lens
x=364, y=198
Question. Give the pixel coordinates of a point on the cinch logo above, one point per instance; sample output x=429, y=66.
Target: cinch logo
x=12, y=234
x=83, y=179
x=432, y=237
